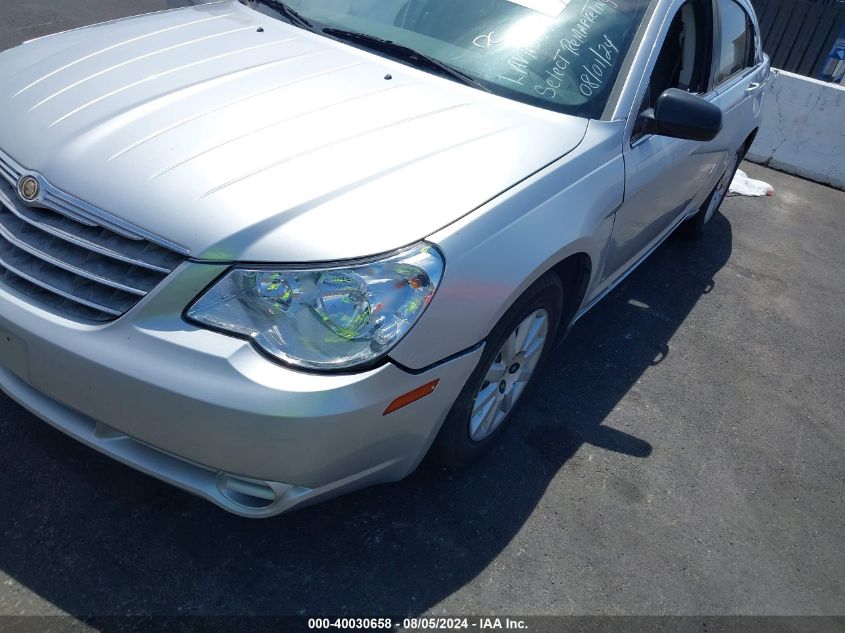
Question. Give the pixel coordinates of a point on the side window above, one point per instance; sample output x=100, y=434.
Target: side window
x=684, y=59
x=737, y=50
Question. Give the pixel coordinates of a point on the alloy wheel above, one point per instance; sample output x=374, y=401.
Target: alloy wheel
x=508, y=375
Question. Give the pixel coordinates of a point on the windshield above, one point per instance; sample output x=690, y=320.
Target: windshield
x=563, y=55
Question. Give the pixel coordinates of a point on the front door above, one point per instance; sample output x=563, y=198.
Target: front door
x=666, y=176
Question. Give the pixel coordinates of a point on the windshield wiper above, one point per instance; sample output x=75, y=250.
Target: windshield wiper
x=288, y=13
x=405, y=54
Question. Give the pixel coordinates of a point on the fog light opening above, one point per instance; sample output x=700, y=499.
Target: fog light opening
x=248, y=493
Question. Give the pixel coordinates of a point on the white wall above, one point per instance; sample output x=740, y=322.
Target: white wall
x=803, y=130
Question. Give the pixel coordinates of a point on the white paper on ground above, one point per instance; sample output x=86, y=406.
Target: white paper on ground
x=552, y=8
x=742, y=185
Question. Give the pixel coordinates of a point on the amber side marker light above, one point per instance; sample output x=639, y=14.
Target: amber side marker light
x=411, y=397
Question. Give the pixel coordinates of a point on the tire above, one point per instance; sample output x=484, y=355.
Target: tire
x=696, y=225
x=463, y=438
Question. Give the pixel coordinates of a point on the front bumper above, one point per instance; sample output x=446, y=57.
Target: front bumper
x=209, y=414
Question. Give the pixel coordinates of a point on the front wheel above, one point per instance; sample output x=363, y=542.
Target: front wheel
x=513, y=354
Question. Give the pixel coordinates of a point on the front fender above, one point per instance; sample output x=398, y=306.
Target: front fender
x=495, y=253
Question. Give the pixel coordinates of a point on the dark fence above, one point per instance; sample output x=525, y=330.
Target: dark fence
x=798, y=35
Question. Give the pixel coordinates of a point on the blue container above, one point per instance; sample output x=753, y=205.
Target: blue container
x=834, y=67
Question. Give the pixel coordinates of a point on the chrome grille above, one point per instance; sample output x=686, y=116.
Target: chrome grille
x=8, y=172
x=74, y=266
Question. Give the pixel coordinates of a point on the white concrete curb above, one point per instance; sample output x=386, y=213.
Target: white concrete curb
x=803, y=129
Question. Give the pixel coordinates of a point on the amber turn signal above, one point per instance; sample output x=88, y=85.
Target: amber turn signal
x=411, y=397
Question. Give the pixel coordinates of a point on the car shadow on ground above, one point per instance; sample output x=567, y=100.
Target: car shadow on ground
x=93, y=537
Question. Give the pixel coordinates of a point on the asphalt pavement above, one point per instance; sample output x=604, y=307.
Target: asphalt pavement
x=682, y=455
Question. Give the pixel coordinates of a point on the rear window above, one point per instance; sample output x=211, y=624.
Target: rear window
x=737, y=49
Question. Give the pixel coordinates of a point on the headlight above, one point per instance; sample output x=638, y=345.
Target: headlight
x=329, y=318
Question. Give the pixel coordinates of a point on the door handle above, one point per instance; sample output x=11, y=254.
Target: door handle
x=754, y=87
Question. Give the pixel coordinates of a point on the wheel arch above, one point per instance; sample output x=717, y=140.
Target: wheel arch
x=750, y=141
x=575, y=272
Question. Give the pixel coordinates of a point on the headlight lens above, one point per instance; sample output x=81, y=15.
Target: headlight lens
x=332, y=318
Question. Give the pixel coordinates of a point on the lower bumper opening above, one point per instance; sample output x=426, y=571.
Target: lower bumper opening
x=249, y=493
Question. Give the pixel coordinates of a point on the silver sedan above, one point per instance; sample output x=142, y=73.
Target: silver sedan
x=273, y=252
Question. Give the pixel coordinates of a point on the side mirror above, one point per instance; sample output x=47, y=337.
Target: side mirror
x=680, y=114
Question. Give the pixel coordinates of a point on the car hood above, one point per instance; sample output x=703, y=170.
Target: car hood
x=240, y=137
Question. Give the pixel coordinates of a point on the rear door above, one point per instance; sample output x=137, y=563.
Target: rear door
x=741, y=73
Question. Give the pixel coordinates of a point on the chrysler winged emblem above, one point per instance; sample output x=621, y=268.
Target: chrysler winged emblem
x=29, y=188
